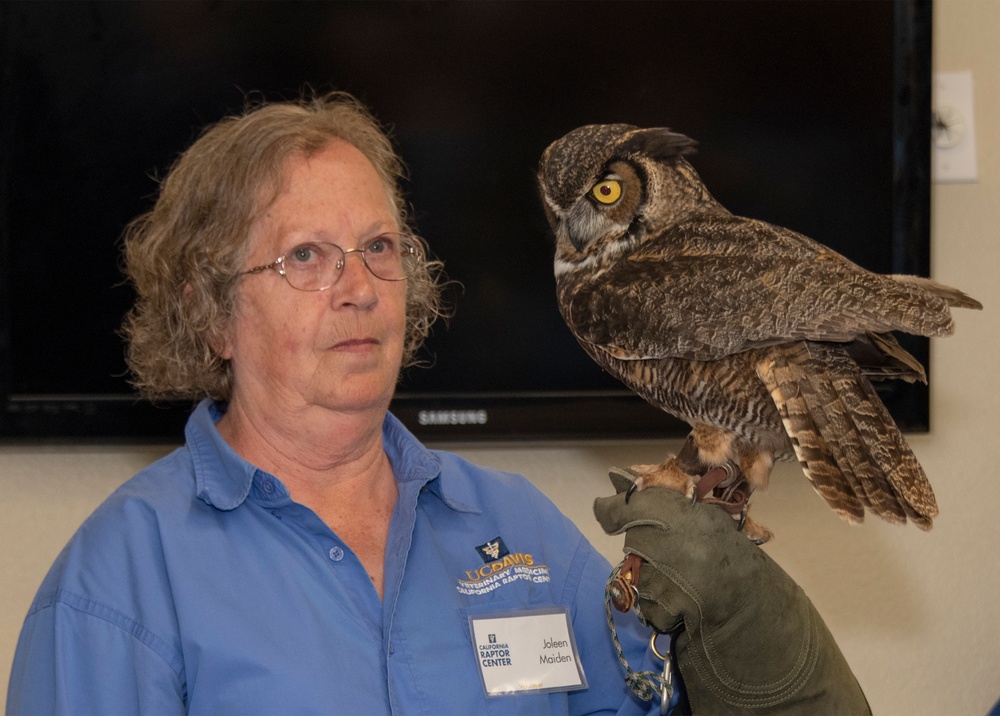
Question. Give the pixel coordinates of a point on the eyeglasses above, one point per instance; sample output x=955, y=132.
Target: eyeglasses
x=316, y=266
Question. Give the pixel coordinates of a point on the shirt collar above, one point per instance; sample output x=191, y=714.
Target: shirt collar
x=411, y=461
x=223, y=479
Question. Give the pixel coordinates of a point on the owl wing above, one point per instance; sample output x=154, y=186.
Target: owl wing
x=706, y=289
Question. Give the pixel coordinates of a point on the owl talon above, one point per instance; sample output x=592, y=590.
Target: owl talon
x=629, y=492
x=755, y=532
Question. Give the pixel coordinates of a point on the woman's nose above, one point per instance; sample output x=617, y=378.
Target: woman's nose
x=356, y=285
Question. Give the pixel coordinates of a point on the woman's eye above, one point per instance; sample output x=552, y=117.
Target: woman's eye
x=608, y=191
x=379, y=245
x=304, y=254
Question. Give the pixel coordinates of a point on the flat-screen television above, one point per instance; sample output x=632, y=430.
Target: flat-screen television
x=813, y=115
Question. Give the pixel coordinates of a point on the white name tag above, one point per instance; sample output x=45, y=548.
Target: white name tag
x=527, y=651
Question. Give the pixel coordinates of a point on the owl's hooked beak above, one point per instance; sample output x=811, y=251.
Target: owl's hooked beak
x=563, y=234
x=581, y=225
x=560, y=220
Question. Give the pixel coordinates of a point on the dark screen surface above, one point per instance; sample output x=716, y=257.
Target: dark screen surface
x=812, y=115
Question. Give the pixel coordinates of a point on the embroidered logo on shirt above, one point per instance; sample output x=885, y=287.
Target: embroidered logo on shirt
x=501, y=567
x=493, y=550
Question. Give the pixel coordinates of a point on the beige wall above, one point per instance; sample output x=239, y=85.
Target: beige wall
x=917, y=614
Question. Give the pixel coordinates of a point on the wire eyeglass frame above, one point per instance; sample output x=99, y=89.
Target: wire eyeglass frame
x=403, y=246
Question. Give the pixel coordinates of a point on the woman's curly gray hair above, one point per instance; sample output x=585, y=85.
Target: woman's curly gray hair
x=185, y=256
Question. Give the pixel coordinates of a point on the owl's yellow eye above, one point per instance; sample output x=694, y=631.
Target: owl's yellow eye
x=608, y=191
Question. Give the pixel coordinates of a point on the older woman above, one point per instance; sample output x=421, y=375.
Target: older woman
x=302, y=552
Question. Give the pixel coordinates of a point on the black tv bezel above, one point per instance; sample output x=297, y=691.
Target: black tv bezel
x=531, y=417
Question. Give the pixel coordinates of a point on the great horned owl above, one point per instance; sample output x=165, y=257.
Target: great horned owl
x=762, y=339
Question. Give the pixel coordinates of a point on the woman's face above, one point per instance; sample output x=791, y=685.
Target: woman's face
x=339, y=349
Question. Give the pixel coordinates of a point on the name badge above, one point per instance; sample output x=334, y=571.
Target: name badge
x=527, y=651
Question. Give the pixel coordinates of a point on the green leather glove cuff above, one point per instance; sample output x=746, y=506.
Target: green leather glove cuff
x=746, y=637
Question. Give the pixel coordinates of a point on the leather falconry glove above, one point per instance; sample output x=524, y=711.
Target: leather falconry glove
x=746, y=638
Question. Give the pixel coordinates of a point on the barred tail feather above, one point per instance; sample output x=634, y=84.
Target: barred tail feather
x=783, y=378
x=831, y=418
x=863, y=455
x=885, y=448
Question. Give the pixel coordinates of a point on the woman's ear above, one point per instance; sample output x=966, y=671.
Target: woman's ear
x=221, y=347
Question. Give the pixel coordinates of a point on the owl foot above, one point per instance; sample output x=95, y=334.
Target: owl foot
x=724, y=486
x=666, y=474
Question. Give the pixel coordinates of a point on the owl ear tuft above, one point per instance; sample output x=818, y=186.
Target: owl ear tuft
x=659, y=143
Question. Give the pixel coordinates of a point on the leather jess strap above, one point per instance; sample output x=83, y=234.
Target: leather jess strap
x=624, y=590
x=725, y=487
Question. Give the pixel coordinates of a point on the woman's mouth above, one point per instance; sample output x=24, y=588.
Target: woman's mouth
x=355, y=344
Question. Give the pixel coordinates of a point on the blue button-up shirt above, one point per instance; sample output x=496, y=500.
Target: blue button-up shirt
x=199, y=586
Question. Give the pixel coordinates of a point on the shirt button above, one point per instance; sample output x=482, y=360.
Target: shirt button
x=336, y=554
x=268, y=486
